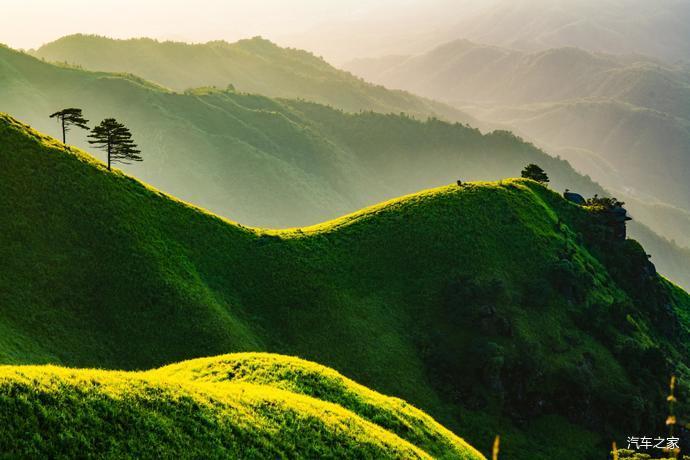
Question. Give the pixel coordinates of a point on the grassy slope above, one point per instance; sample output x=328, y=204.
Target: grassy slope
x=468, y=302
x=255, y=66
x=281, y=163
x=278, y=407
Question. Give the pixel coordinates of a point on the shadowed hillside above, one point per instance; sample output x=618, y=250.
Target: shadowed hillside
x=495, y=307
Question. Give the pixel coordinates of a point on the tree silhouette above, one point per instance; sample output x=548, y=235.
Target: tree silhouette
x=69, y=117
x=114, y=137
x=534, y=172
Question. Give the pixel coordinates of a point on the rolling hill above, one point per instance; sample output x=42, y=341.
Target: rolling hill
x=282, y=162
x=623, y=120
x=238, y=406
x=254, y=65
x=495, y=307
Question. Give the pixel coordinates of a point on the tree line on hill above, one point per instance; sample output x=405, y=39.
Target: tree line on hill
x=110, y=135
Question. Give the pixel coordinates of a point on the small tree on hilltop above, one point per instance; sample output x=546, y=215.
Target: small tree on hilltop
x=116, y=140
x=604, y=203
x=535, y=173
x=70, y=117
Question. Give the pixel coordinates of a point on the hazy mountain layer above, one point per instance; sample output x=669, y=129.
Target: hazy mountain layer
x=254, y=66
x=660, y=28
x=625, y=121
x=496, y=307
x=464, y=72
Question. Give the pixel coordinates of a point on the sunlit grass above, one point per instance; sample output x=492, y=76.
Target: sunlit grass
x=239, y=406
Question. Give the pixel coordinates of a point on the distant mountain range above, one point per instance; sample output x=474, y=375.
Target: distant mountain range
x=660, y=28
x=623, y=120
x=255, y=66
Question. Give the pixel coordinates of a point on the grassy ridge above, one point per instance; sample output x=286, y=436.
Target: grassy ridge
x=485, y=305
x=50, y=411
x=283, y=163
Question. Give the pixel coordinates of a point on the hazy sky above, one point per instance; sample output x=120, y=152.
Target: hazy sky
x=325, y=26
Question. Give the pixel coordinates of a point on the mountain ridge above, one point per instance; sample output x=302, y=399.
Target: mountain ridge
x=253, y=65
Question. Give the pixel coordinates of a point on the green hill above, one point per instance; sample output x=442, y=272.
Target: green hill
x=278, y=162
x=498, y=308
x=252, y=406
x=255, y=66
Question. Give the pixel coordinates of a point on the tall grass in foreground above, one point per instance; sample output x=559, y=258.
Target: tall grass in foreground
x=496, y=447
x=671, y=422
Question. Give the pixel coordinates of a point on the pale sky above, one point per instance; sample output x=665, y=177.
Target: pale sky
x=341, y=28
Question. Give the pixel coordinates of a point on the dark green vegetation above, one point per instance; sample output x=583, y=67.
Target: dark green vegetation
x=115, y=139
x=283, y=163
x=535, y=173
x=234, y=406
x=68, y=118
x=495, y=307
x=252, y=66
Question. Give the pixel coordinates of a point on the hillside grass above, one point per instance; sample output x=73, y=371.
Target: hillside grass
x=48, y=411
x=496, y=307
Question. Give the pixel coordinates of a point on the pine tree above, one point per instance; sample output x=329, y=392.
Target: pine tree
x=69, y=117
x=534, y=172
x=116, y=140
